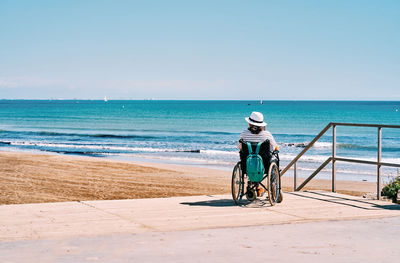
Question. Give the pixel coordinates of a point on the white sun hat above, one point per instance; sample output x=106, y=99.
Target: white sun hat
x=256, y=119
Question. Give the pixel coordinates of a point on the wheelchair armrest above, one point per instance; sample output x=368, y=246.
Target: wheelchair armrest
x=275, y=155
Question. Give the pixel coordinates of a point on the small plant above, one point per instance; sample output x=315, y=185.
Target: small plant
x=391, y=189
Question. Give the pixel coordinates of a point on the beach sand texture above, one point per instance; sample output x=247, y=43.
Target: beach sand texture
x=38, y=178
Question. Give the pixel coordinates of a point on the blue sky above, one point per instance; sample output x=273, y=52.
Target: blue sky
x=267, y=50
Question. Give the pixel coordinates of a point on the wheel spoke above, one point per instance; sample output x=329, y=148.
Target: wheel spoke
x=237, y=183
x=273, y=184
x=240, y=186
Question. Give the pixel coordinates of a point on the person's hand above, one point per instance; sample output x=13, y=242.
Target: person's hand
x=239, y=145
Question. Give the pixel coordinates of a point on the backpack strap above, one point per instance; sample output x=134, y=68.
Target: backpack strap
x=258, y=147
x=249, y=147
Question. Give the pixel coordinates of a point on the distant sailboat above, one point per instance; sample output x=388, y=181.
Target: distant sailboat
x=105, y=98
x=261, y=102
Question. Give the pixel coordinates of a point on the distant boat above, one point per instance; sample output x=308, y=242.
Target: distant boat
x=105, y=98
x=261, y=102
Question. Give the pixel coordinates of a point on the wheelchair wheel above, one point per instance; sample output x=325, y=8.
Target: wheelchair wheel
x=273, y=184
x=251, y=194
x=238, y=184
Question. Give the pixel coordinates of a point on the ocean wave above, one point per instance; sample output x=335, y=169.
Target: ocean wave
x=99, y=147
x=182, y=159
x=120, y=131
x=338, y=170
x=341, y=146
x=323, y=158
x=96, y=135
x=207, y=153
x=86, y=146
x=215, y=132
x=210, y=154
x=299, y=135
x=305, y=144
x=220, y=152
x=186, y=151
x=304, y=158
x=307, y=163
x=368, y=147
x=94, y=154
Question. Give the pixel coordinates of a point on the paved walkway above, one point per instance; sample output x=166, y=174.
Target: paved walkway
x=55, y=220
x=201, y=229
x=368, y=240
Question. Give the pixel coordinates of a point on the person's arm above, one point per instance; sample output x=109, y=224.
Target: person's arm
x=273, y=145
x=239, y=145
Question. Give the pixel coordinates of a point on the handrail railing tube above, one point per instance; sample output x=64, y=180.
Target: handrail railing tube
x=333, y=158
x=295, y=175
x=349, y=160
x=365, y=125
x=378, y=172
x=306, y=149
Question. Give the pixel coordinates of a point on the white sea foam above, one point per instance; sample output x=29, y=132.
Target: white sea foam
x=219, y=152
x=179, y=159
x=338, y=170
x=305, y=144
x=304, y=158
x=93, y=147
x=323, y=145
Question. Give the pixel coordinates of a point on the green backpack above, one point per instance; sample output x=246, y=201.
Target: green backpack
x=254, y=163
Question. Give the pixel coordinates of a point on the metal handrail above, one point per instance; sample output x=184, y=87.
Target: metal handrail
x=365, y=125
x=306, y=149
x=333, y=158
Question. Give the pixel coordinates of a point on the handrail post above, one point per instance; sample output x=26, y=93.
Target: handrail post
x=333, y=158
x=378, y=194
x=295, y=176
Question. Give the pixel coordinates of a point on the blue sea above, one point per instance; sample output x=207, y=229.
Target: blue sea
x=200, y=133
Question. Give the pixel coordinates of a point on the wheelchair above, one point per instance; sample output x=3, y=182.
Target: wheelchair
x=244, y=191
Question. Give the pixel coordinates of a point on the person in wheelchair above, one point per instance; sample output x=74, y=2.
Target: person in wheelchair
x=254, y=134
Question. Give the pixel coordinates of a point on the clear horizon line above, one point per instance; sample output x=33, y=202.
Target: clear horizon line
x=154, y=99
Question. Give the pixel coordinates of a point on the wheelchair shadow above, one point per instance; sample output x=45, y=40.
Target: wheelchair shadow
x=228, y=202
x=214, y=203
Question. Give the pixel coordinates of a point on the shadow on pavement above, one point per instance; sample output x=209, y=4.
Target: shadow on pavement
x=229, y=202
x=218, y=203
x=331, y=198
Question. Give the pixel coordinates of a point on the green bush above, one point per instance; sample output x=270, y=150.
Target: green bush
x=391, y=189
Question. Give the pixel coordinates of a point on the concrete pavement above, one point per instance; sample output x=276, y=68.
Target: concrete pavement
x=368, y=240
x=178, y=228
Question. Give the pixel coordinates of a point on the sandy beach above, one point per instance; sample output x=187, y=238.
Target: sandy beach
x=38, y=178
